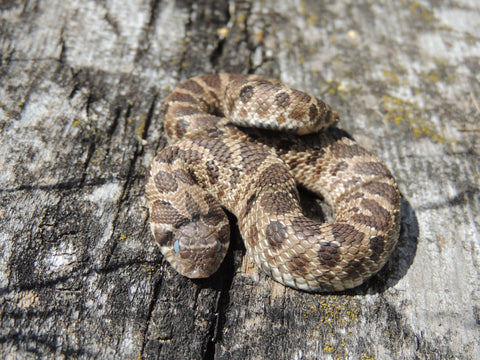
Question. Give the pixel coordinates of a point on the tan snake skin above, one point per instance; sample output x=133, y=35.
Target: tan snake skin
x=211, y=163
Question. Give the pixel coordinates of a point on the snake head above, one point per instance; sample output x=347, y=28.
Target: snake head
x=196, y=249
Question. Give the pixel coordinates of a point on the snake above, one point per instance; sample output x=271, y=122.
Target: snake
x=244, y=144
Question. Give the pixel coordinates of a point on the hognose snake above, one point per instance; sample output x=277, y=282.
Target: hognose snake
x=214, y=161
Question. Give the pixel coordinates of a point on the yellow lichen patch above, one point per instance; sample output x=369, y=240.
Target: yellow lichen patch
x=421, y=11
x=391, y=77
x=303, y=7
x=367, y=357
x=150, y=269
x=241, y=19
x=470, y=39
x=402, y=111
x=312, y=19
x=141, y=125
x=328, y=347
x=98, y=157
x=334, y=316
x=123, y=237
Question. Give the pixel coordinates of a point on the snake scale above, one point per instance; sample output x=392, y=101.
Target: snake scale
x=218, y=158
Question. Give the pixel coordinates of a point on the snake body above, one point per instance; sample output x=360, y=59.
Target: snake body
x=215, y=161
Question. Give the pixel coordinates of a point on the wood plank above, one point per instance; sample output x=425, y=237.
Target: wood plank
x=81, y=88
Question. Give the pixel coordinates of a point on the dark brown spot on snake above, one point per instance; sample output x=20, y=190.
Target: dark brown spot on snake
x=212, y=171
x=184, y=176
x=246, y=93
x=191, y=205
x=252, y=156
x=181, y=128
x=217, y=148
x=278, y=203
x=276, y=234
x=181, y=111
x=164, y=212
x=346, y=234
x=313, y=112
x=165, y=182
x=306, y=228
x=274, y=174
x=339, y=167
x=212, y=80
x=282, y=100
x=347, y=151
x=379, y=219
x=181, y=97
x=329, y=253
x=386, y=191
x=193, y=86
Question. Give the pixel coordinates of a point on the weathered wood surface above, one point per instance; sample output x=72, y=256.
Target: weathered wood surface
x=81, y=87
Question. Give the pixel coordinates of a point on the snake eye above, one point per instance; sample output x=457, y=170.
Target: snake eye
x=176, y=247
x=219, y=245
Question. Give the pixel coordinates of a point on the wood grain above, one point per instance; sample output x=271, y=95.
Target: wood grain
x=81, y=88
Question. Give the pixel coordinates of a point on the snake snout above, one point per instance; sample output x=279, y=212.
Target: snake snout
x=198, y=249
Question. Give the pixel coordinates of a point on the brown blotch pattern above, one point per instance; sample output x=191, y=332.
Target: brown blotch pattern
x=306, y=228
x=282, y=100
x=339, y=167
x=246, y=93
x=250, y=202
x=217, y=148
x=212, y=171
x=344, y=151
x=380, y=218
x=329, y=253
x=313, y=112
x=235, y=177
x=278, y=203
x=274, y=174
x=191, y=205
x=252, y=156
x=314, y=157
x=386, y=191
x=300, y=263
x=180, y=111
x=276, y=234
x=301, y=96
x=372, y=168
x=297, y=114
x=165, y=182
x=212, y=80
x=346, y=234
x=164, y=212
x=184, y=176
x=377, y=245
x=181, y=97
x=214, y=216
x=168, y=155
x=207, y=121
x=181, y=128
x=193, y=86
x=329, y=240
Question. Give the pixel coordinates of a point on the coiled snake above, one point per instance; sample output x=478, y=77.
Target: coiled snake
x=214, y=161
